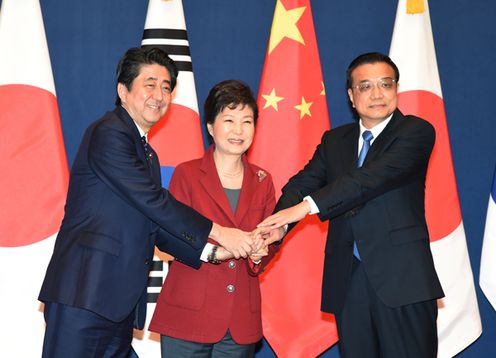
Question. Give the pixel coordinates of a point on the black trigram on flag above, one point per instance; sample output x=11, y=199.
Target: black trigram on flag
x=155, y=280
x=174, y=42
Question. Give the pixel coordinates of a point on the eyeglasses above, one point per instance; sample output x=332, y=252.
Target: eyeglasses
x=385, y=84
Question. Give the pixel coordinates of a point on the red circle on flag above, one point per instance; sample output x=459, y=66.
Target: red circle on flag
x=178, y=136
x=33, y=164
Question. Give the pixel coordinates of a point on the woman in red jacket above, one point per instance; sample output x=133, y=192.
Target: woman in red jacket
x=215, y=311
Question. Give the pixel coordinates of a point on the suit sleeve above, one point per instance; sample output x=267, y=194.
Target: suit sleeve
x=308, y=180
x=180, y=186
x=112, y=155
x=405, y=158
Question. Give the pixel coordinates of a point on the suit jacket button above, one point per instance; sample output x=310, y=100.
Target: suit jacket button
x=230, y=288
x=232, y=264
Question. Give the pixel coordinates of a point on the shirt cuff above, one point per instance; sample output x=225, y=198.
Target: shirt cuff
x=206, y=251
x=313, y=207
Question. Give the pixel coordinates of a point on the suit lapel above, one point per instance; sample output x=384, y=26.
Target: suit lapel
x=248, y=190
x=152, y=163
x=213, y=187
x=385, y=137
x=128, y=121
x=349, y=145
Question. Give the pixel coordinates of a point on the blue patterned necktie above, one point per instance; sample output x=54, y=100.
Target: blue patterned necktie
x=152, y=163
x=148, y=151
x=367, y=137
x=145, y=145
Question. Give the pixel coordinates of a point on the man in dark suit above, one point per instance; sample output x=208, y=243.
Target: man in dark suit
x=368, y=179
x=116, y=212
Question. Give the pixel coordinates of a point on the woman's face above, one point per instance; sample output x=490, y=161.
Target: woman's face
x=233, y=130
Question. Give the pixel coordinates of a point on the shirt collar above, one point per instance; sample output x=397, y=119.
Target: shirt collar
x=377, y=129
x=141, y=132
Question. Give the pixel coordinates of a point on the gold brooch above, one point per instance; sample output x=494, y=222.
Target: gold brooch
x=261, y=175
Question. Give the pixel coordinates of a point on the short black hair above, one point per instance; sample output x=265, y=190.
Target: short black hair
x=370, y=58
x=229, y=93
x=130, y=65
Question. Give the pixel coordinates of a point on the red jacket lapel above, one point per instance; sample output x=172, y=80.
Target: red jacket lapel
x=213, y=187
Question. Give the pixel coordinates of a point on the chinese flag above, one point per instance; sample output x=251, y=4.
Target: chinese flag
x=412, y=49
x=293, y=117
x=34, y=175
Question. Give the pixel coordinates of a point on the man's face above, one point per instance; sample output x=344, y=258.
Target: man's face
x=149, y=97
x=374, y=92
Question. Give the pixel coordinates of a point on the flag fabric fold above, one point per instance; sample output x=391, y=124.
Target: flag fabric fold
x=487, y=277
x=176, y=138
x=293, y=117
x=413, y=51
x=34, y=178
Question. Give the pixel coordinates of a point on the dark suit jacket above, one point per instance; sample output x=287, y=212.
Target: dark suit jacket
x=116, y=211
x=195, y=305
x=380, y=206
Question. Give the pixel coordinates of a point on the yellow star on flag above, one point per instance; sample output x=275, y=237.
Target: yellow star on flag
x=284, y=25
x=323, y=90
x=304, y=108
x=272, y=99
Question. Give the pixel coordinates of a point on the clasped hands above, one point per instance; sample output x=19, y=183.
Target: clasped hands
x=237, y=243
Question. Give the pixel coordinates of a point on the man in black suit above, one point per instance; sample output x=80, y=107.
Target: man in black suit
x=116, y=212
x=368, y=179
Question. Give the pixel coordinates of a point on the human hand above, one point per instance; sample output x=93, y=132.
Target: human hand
x=222, y=254
x=257, y=256
x=258, y=240
x=239, y=243
x=286, y=216
x=270, y=236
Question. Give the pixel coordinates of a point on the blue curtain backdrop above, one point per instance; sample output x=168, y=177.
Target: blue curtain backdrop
x=228, y=39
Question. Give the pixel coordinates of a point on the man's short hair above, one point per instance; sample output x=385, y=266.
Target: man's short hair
x=130, y=64
x=370, y=58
